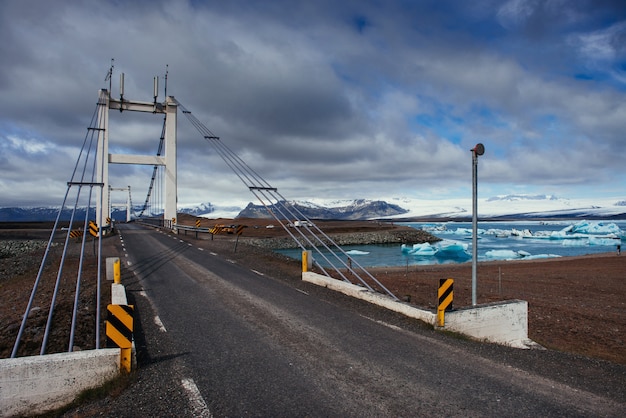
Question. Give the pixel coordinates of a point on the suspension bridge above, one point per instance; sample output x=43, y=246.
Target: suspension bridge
x=89, y=186
x=227, y=341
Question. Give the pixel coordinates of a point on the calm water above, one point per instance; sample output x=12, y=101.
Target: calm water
x=494, y=243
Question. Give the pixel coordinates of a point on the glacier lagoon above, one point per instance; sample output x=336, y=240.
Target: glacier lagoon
x=497, y=240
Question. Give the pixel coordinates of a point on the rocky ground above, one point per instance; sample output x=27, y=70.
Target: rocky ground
x=20, y=259
x=575, y=304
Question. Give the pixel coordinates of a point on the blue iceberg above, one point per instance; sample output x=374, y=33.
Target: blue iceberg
x=443, y=249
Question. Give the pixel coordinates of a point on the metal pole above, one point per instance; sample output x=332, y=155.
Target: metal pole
x=474, y=223
x=479, y=149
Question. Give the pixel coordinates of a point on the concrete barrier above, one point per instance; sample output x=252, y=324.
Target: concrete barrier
x=503, y=323
x=369, y=296
x=37, y=384
x=110, y=261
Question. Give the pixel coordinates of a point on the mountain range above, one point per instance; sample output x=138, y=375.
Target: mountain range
x=504, y=206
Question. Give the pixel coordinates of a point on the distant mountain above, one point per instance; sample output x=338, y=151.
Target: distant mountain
x=521, y=197
x=498, y=207
x=355, y=210
x=49, y=214
x=201, y=210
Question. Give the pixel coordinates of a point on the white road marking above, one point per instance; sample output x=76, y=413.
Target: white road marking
x=302, y=291
x=258, y=272
x=159, y=324
x=394, y=327
x=212, y=253
x=201, y=249
x=198, y=405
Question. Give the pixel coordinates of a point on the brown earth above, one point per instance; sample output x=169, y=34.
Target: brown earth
x=576, y=304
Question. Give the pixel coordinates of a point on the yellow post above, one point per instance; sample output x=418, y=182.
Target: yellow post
x=441, y=317
x=305, y=261
x=125, y=359
x=116, y=272
x=445, y=296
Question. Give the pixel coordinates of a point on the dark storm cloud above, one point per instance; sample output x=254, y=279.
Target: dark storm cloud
x=352, y=96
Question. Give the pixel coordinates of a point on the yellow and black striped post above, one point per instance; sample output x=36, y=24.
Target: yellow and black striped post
x=197, y=223
x=76, y=233
x=445, y=295
x=119, y=331
x=93, y=229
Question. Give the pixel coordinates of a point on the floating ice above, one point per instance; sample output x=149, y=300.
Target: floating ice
x=424, y=249
x=442, y=249
x=515, y=255
x=586, y=227
x=357, y=252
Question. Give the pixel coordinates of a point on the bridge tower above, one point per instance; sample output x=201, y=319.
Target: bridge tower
x=167, y=159
x=128, y=200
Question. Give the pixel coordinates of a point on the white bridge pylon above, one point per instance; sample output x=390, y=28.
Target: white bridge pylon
x=167, y=160
x=128, y=200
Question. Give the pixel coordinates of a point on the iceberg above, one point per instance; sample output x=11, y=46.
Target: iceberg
x=424, y=249
x=442, y=249
x=502, y=255
x=515, y=255
x=357, y=252
x=586, y=227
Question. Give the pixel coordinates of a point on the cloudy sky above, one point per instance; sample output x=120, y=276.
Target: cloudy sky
x=324, y=99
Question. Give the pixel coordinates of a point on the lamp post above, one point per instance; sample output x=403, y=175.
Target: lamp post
x=479, y=149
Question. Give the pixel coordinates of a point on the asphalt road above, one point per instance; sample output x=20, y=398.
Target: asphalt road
x=217, y=339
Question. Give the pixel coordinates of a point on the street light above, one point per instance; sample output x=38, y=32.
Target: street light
x=479, y=149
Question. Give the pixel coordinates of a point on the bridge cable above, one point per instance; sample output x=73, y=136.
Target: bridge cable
x=310, y=234
x=86, y=160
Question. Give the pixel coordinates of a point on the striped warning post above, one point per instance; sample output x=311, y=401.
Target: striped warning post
x=197, y=223
x=445, y=295
x=93, y=228
x=119, y=326
x=119, y=331
x=76, y=233
x=239, y=229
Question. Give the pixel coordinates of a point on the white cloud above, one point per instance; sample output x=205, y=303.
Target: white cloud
x=347, y=99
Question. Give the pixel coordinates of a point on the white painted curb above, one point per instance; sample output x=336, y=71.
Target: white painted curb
x=503, y=323
x=36, y=384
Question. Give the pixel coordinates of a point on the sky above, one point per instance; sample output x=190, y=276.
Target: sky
x=326, y=99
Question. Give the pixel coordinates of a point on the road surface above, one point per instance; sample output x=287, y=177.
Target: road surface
x=218, y=339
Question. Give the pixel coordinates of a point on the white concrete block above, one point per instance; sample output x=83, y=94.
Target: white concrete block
x=369, y=296
x=32, y=385
x=109, y=266
x=118, y=294
x=502, y=322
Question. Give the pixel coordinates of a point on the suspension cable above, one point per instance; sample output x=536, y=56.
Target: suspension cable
x=75, y=179
x=310, y=234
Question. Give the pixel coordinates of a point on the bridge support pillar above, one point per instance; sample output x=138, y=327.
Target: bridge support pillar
x=168, y=160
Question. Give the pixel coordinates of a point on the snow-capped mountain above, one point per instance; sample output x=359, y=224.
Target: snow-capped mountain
x=504, y=206
x=356, y=209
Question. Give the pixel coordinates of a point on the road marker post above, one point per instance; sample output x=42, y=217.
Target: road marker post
x=117, y=277
x=445, y=295
x=119, y=332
